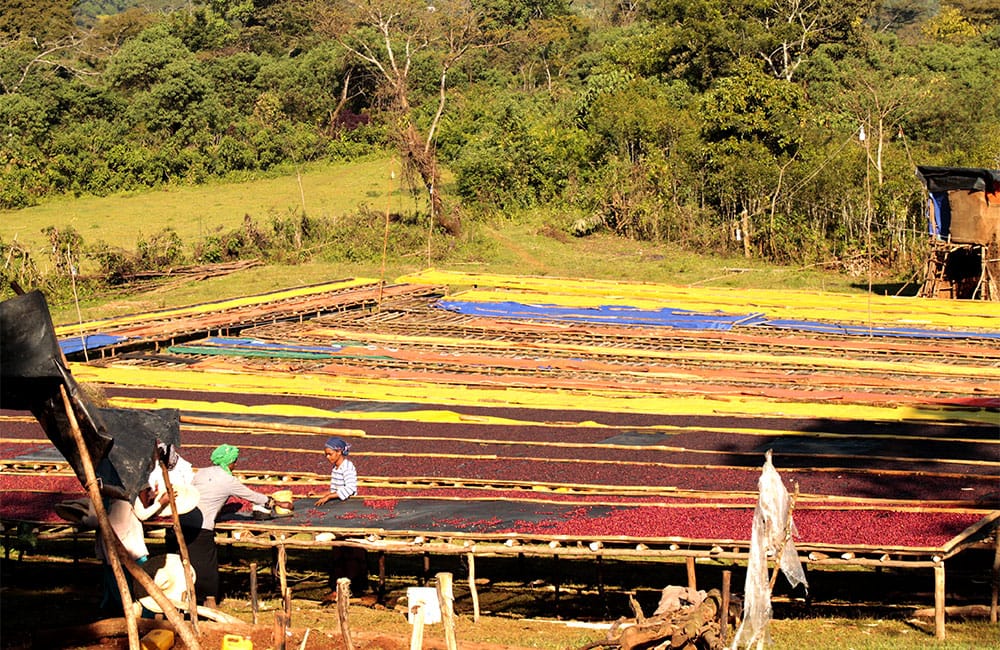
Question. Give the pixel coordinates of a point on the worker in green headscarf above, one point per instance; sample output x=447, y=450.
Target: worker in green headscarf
x=224, y=456
x=216, y=484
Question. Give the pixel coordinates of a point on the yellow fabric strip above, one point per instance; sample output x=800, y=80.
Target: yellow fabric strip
x=419, y=392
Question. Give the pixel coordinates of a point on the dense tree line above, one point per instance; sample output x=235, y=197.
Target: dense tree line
x=787, y=129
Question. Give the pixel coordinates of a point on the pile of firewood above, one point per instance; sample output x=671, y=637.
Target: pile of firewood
x=684, y=620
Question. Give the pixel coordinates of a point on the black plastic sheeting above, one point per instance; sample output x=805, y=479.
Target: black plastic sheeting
x=120, y=442
x=32, y=371
x=135, y=434
x=944, y=179
x=405, y=515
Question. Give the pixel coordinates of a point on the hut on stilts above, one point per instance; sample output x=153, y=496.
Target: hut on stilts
x=964, y=224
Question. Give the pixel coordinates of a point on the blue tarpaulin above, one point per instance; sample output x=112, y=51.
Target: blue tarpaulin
x=90, y=342
x=685, y=319
x=609, y=314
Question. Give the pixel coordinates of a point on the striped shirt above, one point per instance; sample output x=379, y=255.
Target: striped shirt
x=344, y=480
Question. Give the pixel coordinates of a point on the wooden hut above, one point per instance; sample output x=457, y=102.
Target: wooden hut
x=964, y=224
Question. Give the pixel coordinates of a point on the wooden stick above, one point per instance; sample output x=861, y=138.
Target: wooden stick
x=278, y=630
x=381, y=577
x=286, y=599
x=118, y=549
x=446, y=600
x=254, y=605
x=692, y=579
x=996, y=576
x=417, y=635
x=282, y=578
x=343, y=603
x=472, y=587
x=107, y=533
x=727, y=576
x=192, y=596
x=939, y=601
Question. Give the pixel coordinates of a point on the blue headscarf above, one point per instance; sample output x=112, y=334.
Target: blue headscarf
x=339, y=444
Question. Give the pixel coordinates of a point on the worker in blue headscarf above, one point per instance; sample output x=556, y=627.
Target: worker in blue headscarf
x=348, y=561
x=343, y=475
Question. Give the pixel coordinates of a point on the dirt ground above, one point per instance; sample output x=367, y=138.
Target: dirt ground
x=49, y=598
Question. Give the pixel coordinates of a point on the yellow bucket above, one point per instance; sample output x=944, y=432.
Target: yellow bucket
x=236, y=642
x=158, y=640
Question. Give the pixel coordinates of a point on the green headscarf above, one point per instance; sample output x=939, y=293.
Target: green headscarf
x=224, y=456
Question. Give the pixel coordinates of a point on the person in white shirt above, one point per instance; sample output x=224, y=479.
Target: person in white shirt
x=348, y=561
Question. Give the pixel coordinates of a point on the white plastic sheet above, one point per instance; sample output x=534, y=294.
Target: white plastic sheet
x=773, y=530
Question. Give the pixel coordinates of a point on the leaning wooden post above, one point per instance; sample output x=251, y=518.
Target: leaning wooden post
x=343, y=603
x=107, y=533
x=446, y=600
x=939, y=600
x=472, y=587
x=143, y=578
x=192, y=596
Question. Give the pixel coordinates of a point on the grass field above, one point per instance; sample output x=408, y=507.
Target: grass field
x=195, y=211
x=528, y=244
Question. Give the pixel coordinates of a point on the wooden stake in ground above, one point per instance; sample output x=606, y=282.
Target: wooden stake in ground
x=472, y=587
x=417, y=635
x=343, y=603
x=254, y=606
x=446, y=600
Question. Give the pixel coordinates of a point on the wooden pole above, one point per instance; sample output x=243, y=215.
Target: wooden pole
x=996, y=576
x=381, y=577
x=446, y=600
x=472, y=587
x=939, y=600
x=286, y=599
x=104, y=529
x=278, y=630
x=117, y=549
x=192, y=596
x=557, y=586
x=692, y=579
x=343, y=603
x=427, y=569
x=417, y=635
x=282, y=578
x=254, y=605
x=727, y=576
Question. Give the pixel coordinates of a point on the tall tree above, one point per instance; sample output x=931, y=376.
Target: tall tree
x=404, y=44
